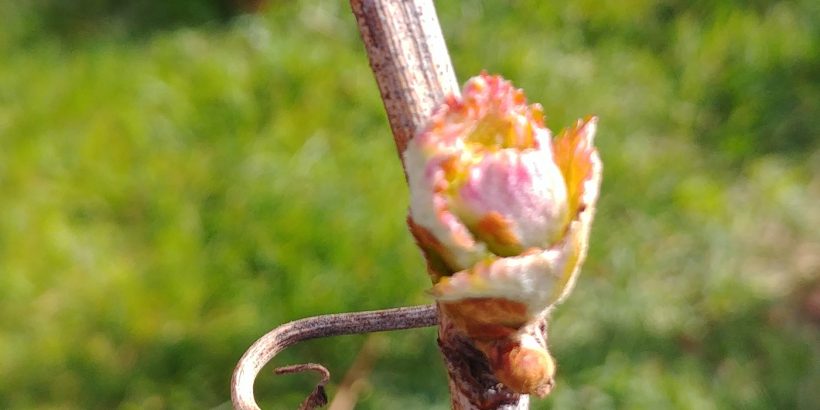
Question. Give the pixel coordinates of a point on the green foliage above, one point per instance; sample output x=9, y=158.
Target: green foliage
x=79, y=19
x=169, y=195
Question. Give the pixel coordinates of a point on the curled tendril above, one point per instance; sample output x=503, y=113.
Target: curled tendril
x=269, y=345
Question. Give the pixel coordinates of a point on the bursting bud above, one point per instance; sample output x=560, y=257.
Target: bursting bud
x=502, y=210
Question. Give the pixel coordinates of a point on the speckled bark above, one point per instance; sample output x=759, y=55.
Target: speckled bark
x=409, y=59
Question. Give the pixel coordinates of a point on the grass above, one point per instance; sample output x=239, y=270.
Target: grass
x=169, y=192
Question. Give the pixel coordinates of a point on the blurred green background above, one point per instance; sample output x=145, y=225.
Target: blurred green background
x=176, y=179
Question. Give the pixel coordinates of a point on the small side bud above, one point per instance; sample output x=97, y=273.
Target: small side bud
x=523, y=367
